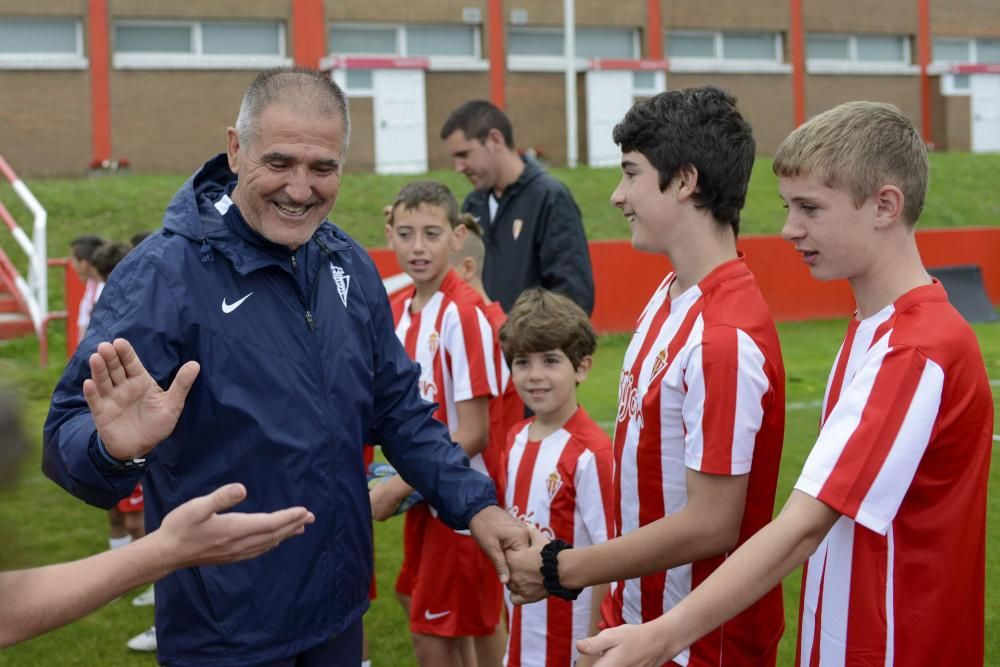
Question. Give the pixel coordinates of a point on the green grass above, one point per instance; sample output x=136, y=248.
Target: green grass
x=40, y=523
x=962, y=193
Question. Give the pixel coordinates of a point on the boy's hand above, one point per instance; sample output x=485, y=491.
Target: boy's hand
x=386, y=496
x=626, y=646
x=131, y=412
x=526, y=583
x=499, y=535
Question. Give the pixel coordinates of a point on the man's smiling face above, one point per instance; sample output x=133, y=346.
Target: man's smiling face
x=289, y=172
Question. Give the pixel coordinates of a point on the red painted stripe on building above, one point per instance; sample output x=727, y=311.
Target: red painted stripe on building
x=796, y=34
x=100, y=75
x=654, y=30
x=497, y=56
x=308, y=32
x=924, y=60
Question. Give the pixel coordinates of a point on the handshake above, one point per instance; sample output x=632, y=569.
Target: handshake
x=514, y=547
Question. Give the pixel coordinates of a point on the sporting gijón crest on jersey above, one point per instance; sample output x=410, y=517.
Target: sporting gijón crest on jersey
x=702, y=388
x=452, y=342
x=562, y=486
x=903, y=454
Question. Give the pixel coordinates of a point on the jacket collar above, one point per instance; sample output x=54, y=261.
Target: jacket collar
x=203, y=212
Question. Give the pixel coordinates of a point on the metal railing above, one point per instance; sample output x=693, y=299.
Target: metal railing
x=33, y=292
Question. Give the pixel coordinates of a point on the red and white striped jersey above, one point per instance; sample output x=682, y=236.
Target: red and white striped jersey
x=702, y=388
x=562, y=486
x=506, y=410
x=453, y=344
x=903, y=453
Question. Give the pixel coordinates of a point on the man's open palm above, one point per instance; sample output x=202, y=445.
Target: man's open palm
x=131, y=412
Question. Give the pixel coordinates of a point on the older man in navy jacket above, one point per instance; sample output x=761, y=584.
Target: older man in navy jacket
x=283, y=321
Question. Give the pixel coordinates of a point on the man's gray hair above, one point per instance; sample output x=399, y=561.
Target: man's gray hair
x=298, y=87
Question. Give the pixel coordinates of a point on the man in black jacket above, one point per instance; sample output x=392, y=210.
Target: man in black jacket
x=532, y=227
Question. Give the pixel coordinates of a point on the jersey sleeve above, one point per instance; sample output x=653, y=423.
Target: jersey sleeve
x=594, y=501
x=873, y=440
x=468, y=348
x=727, y=389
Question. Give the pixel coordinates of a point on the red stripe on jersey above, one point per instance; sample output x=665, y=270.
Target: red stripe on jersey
x=649, y=462
x=837, y=383
x=562, y=521
x=719, y=418
x=441, y=414
x=882, y=329
x=522, y=486
x=621, y=429
x=868, y=446
x=514, y=645
x=412, y=334
x=865, y=641
x=475, y=351
x=818, y=624
x=802, y=603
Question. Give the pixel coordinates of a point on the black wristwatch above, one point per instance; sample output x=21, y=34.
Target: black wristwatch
x=550, y=571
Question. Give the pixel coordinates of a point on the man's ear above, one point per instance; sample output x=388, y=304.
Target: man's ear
x=889, y=201
x=583, y=368
x=494, y=140
x=232, y=148
x=686, y=179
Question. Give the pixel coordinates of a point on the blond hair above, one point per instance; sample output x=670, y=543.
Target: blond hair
x=859, y=147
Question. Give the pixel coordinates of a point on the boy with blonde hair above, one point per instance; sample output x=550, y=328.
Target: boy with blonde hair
x=890, y=508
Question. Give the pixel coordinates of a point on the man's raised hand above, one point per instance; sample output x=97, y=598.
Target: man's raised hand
x=131, y=412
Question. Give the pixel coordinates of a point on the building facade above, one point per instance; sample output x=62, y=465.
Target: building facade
x=156, y=82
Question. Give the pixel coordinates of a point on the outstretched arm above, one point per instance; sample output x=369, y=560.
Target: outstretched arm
x=132, y=414
x=37, y=600
x=707, y=526
x=756, y=567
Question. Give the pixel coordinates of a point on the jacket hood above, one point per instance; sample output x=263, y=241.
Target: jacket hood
x=194, y=213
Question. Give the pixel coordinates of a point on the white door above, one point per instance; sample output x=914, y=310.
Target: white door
x=400, y=121
x=609, y=97
x=985, y=112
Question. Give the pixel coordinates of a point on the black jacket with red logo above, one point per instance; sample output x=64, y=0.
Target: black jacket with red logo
x=536, y=239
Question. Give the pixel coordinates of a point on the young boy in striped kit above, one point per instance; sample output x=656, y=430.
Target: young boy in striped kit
x=890, y=508
x=558, y=467
x=447, y=584
x=702, y=393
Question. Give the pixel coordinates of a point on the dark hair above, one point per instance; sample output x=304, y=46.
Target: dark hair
x=83, y=247
x=138, y=238
x=429, y=193
x=475, y=119
x=107, y=256
x=700, y=128
x=541, y=320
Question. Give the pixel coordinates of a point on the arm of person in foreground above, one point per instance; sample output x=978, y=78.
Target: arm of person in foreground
x=37, y=600
x=472, y=435
x=756, y=567
x=708, y=525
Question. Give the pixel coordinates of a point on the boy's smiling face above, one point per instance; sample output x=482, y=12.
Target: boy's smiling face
x=546, y=382
x=836, y=238
x=423, y=240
